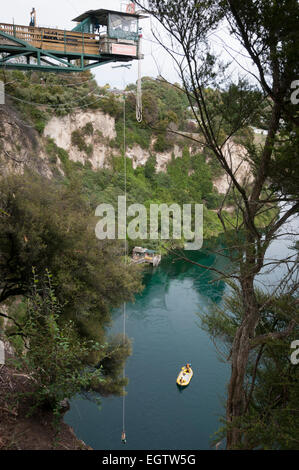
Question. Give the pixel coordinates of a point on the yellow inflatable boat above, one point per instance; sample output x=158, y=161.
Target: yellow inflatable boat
x=184, y=376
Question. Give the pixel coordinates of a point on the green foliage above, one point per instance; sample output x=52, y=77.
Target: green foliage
x=54, y=356
x=111, y=365
x=38, y=95
x=110, y=104
x=51, y=149
x=54, y=152
x=88, y=129
x=239, y=101
x=135, y=134
x=51, y=226
x=168, y=102
x=79, y=139
x=150, y=167
x=161, y=144
x=188, y=179
x=163, y=105
x=270, y=421
x=284, y=167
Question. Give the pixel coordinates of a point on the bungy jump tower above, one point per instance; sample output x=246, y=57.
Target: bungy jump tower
x=100, y=36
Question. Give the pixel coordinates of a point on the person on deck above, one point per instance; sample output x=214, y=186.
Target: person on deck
x=188, y=368
x=33, y=17
x=96, y=26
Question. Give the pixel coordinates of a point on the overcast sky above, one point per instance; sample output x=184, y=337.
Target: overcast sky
x=59, y=14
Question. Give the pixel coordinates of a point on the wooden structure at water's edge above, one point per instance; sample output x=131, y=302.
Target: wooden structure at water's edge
x=143, y=255
x=101, y=36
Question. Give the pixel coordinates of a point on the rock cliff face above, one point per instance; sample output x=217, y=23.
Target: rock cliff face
x=22, y=146
x=236, y=157
x=61, y=129
x=140, y=156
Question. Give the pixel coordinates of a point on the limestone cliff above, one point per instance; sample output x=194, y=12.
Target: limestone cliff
x=61, y=130
x=236, y=157
x=22, y=146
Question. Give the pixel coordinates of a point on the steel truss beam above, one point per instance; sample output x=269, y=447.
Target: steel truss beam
x=70, y=62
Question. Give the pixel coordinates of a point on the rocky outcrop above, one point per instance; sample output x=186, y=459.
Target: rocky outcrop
x=60, y=129
x=237, y=159
x=20, y=145
x=139, y=156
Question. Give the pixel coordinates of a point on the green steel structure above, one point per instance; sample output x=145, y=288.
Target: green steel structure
x=100, y=37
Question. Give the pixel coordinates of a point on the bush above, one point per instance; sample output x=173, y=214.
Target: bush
x=79, y=141
x=88, y=129
x=54, y=356
x=161, y=144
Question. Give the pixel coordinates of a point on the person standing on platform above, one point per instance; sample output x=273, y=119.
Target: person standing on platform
x=33, y=17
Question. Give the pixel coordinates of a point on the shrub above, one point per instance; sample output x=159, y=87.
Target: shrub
x=54, y=356
x=88, y=129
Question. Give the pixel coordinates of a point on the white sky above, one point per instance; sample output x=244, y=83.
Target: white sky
x=59, y=14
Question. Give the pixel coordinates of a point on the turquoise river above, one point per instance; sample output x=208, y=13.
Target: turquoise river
x=164, y=326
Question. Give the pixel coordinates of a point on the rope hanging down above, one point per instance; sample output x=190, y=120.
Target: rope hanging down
x=139, y=119
x=139, y=89
x=123, y=435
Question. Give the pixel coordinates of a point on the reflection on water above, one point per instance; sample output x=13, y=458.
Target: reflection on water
x=157, y=282
x=163, y=326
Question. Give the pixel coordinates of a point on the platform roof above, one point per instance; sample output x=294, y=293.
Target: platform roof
x=102, y=15
x=139, y=249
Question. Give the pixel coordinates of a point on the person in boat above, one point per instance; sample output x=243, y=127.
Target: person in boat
x=123, y=437
x=181, y=380
x=188, y=368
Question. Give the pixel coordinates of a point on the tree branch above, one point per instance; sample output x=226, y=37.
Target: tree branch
x=263, y=339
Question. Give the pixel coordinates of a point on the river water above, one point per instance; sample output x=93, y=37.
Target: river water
x=164, y=326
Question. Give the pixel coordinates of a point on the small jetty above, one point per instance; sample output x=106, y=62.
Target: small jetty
x=144, y=255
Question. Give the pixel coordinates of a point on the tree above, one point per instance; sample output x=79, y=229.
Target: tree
x=272, y=385
x=266, y=31
x=49, y=226
x=52, y=354
x=150, y=167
